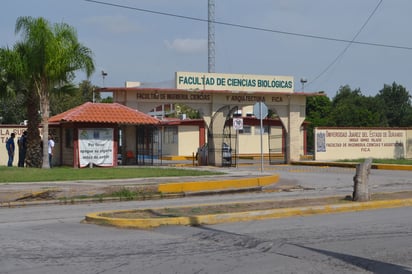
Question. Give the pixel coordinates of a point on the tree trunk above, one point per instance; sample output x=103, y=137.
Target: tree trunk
x=44, y=106
x=361, y=181
x=34, y=152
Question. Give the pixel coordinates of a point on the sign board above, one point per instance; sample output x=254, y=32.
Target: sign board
x=233, y=82
x=238, y=123
x=260, y=110
x=358, y=143
x=96, y=146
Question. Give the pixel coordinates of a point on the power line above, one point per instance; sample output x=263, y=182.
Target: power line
x=348, y=45
x=249, y=27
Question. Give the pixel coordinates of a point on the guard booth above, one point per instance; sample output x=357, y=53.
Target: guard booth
x=105, y=135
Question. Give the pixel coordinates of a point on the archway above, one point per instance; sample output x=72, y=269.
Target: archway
x=221, y=137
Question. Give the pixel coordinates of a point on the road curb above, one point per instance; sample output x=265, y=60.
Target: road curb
x=238, y=183
x=148, y=223
x=168, y=190
x=353, y=165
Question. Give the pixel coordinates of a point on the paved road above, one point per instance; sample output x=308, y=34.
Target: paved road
x=339, y=181
x=51, y=239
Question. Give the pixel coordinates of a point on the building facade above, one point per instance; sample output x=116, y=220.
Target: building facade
x=219, y=98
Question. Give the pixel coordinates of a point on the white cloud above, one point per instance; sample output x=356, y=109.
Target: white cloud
x=187, y=45
x=114, y=23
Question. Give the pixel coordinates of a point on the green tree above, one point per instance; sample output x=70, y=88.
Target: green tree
x=88, y=92
x=107, y=100
x=395, y=103
x=16, y=81
x=180, y=109
x=45, y=60
x=73, y=96
x=11, y=111
x=351, y=108
x=318, y=109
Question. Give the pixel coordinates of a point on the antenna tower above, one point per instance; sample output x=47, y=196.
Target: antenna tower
x=211, y=36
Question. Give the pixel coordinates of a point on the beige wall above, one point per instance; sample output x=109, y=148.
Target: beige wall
x=188, y=140
x=186, y=144
x=356, y=143
x=250, y=143
x=5, y=132
x=408, y=150
x=4, y=135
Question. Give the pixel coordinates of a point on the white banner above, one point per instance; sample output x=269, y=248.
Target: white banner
x=96, y=146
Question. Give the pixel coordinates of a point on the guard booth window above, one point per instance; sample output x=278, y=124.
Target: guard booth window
x=170, y=135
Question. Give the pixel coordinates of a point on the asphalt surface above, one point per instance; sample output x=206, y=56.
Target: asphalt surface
x=51, y=239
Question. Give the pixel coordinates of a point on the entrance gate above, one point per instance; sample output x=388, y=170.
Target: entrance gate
x=222, y=138
x=289, y=105
x=277, y=151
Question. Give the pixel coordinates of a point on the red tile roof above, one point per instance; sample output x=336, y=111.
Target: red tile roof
x=104, y=113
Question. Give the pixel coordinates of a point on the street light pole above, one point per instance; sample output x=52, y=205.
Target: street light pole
x=303, y=81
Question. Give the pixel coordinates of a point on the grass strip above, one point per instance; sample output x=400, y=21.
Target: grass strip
x=15, y=174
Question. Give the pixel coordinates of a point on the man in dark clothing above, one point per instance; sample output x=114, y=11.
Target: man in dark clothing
x=10, y=146
x=22, y=148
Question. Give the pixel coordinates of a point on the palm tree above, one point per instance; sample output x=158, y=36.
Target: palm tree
x=46, y=60
x=16, y=80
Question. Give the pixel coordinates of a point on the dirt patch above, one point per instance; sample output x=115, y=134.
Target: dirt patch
x=242, y=207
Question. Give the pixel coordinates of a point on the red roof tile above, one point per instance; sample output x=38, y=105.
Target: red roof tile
x=104, y=113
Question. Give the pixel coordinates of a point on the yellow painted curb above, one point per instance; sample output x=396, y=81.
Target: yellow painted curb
x=392, y=167
x=217, y=185
x=148, y=223
x=353, y=165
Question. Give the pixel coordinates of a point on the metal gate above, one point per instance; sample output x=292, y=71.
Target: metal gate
x=229, y=152
x=277, y=145
x=148, y=145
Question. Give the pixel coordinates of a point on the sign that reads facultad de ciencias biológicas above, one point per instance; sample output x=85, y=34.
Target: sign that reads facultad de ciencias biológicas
x=236, y=82
x=96, y=146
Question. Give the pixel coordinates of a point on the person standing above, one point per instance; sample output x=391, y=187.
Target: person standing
x=10, y=146
x=50, y=150
x=22, y=142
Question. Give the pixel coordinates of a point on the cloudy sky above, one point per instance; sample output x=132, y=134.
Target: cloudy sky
x=272, y=37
